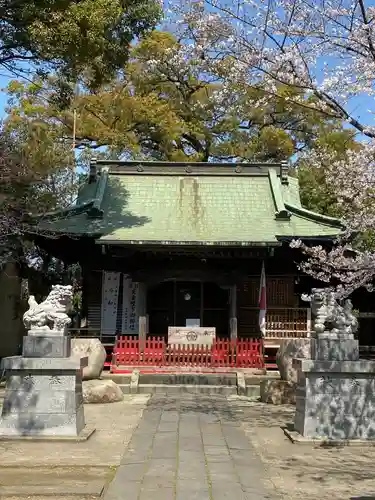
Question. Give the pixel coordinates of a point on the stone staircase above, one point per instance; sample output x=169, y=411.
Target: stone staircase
x=226, y=384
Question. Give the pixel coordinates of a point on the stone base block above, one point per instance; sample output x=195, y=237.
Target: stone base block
x=46, y=332
x=84, y=435
x=42, y=424
x=19, y=363
x=43, y=397
x=48, y=380
x=337, y=404
x=277, y=392
x=328, y=349
x=46, y=347
x=297, y=438
x=45, y=401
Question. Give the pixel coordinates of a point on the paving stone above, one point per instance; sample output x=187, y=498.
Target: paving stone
x=244, y=457
x=120, y=487
x=164, y=453
x=156, y=494
x=192, y=470
x=186, y=453
x=222, y=469
x=170, y=416
x=162, y=467
x=152, y=415
x=146, y=428
x=230, y=423
x=249, y=476
x=236, y=438
x=186, y=432
x=213, y=440
x=132, y=472
x=192, y=490
x=192, y=444
x=165, y=446
x=167, y=426
x=217, y=451
x=135, y=457
x=141, y=442
x=154, y=482
x=191, y=456
x=227, y=490
x=259, y=493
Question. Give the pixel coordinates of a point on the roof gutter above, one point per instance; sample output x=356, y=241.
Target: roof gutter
x=171, y=243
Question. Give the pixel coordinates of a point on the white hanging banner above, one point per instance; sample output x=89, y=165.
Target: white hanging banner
x=110, y=291
x=130, y=306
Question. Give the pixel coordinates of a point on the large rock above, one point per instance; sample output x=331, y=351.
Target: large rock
x=94, y=350
x=101, y=391
x=277, y=392
x=290, y=349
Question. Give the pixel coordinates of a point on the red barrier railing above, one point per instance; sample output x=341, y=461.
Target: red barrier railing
x=243, y=353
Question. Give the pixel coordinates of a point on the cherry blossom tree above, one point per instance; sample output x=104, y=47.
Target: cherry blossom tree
x=326, y=50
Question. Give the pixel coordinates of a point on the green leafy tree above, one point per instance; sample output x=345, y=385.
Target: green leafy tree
x=88, y=38
x=166, y=106
x=29, y=181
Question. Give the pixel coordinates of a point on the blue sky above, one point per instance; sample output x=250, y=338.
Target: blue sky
x=3, y=97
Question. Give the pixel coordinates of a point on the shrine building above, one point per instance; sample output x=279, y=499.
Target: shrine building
x=174, y=244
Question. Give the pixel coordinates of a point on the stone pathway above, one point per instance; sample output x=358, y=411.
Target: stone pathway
x=190, y=448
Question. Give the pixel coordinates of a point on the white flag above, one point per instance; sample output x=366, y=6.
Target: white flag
x=262, y=301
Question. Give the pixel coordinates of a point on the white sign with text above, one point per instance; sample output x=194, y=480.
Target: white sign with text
x=191, y=335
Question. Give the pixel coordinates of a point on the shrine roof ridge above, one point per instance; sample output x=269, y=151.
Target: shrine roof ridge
x=125, y=167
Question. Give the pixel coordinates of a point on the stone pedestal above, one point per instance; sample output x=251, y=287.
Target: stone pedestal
x=46, y=346
x=43, y=394
x=335, y=396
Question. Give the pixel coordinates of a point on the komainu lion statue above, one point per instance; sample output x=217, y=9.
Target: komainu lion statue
x=51, y=314
x=329, y=315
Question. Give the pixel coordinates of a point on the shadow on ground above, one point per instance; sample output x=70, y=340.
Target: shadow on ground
x=236, y=410
x=310, y=472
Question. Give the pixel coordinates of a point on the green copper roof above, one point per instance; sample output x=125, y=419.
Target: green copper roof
x=190, y=204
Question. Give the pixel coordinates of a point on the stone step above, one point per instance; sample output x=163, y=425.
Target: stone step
x=186, y=388
x=204, y=379
x=252, y=391
x=53, y=482
x=78, y=490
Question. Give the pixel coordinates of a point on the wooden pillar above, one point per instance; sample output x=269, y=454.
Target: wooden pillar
x=233, y=312
x=142, y=332
x=142, y=314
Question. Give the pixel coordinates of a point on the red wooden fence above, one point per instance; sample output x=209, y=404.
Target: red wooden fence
x=244, y=353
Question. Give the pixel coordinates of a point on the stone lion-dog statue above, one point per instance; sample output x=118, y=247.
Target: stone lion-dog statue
x=51, y=314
